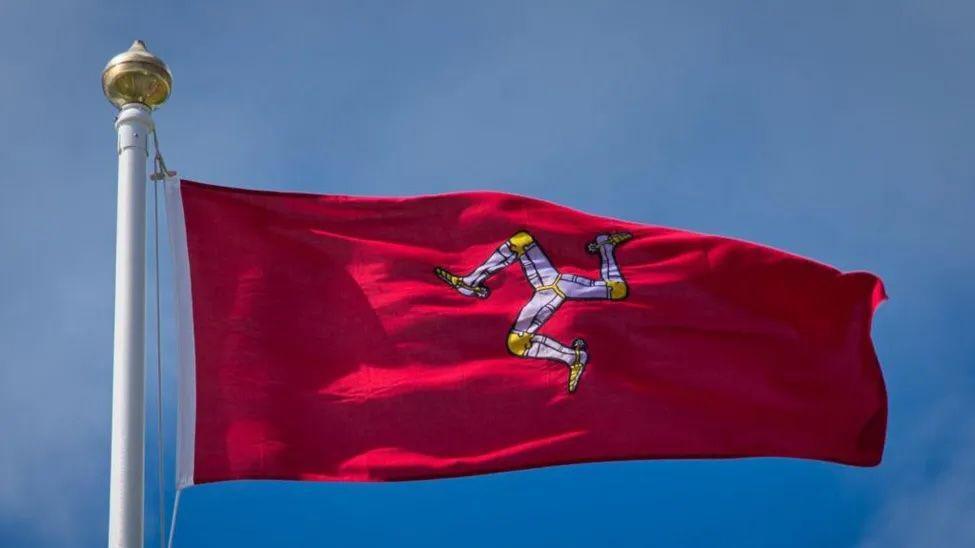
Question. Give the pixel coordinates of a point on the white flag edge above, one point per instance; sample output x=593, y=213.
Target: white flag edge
x=186, y=379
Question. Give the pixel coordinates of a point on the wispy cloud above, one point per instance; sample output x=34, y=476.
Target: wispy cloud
x=930, y=500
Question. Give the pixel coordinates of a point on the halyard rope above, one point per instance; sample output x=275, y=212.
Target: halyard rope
x=172, y=525
x=159, y=174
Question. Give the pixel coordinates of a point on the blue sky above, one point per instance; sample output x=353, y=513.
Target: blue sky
x=838, y=130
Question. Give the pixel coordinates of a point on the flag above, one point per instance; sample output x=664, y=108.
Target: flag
x=375, y=339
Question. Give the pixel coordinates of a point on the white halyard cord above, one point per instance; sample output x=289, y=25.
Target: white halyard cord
x=172, y=525
x=159, y=174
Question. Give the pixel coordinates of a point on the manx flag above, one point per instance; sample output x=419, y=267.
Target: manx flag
x=349, y=338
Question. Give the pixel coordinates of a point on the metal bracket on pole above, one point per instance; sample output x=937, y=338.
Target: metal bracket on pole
x=159, y=170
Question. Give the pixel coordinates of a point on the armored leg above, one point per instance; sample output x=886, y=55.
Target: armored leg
x=609, y=270
x=499, y=260
x=525, y=341
x=520, y=247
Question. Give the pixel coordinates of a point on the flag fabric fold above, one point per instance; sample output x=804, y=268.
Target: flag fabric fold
x=374, y=339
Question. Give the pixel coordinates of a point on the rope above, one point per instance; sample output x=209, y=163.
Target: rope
x=160, y=174
x=172, y=526
x=159, y=401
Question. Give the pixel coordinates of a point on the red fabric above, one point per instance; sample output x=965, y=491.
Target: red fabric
x=326, y=349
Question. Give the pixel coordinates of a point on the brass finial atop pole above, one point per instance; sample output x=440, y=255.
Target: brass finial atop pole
x=137, y=76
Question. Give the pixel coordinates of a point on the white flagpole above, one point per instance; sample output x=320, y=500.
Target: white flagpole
x=136, y=82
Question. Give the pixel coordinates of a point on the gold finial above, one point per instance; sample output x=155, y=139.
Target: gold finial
x=137, y=76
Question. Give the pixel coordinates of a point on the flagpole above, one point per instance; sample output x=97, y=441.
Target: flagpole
x=135, y=82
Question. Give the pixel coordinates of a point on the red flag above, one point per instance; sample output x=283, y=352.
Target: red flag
x=348, y=338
